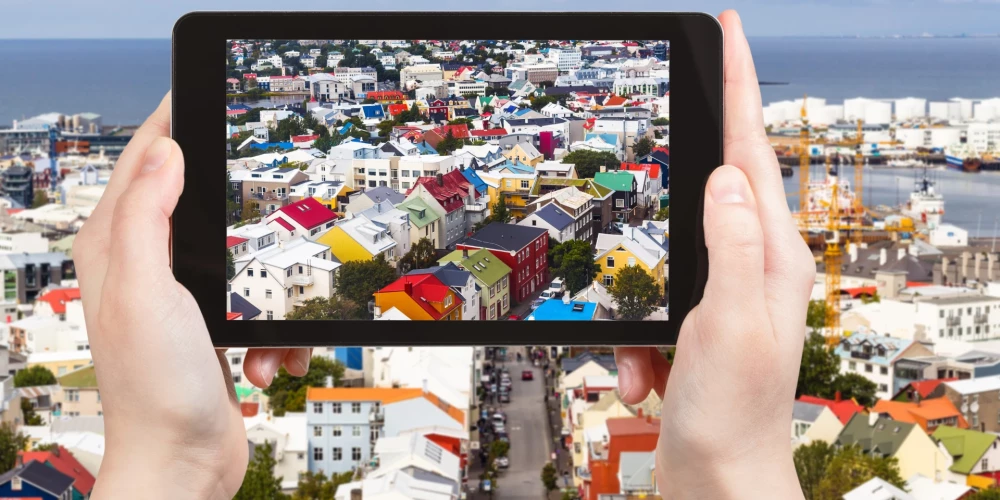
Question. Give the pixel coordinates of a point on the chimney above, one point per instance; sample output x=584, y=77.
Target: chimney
x=604, y=168
x=356, y=494
x=852, y=250
x=639, y=412
x=837, y=397
x=440, y=179
x=900, y=253
x=408, y=288
x=465, y=253
x=565, y=298
x=649, y=419
x=882, y=257
x=328, y=381
x=424, y=385
x=916, y=398
x=872, y=419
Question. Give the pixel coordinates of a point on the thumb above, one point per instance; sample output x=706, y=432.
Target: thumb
x=140, y=227
x=735, y=243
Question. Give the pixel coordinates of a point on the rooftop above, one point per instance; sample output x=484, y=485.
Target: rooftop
x=633, y=426
x=557, y=310
x=504, y=237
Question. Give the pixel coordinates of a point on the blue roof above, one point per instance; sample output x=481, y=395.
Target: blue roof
x=268, y=145
x=449, y=274
x=343, y=130
x=608, y=138
x=477, y=182
x=556, y=310
x=555, y=216
x=235, y=107
x=858, y=341
x=569, y=365
x=518, y=168
x=425, y=149
x=523, y=111
x=373, y=111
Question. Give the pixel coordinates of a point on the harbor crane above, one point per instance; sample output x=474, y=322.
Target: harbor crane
x=804, y=160
x=859, y=172
x=831, y=262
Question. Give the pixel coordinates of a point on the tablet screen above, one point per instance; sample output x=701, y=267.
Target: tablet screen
x=447, y=179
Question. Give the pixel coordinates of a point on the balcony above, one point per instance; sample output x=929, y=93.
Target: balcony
x=981, y=319
x=953, y=321
x=376, y=416
x=861, y=355
x=475, y=207
x=583, y=473
x=303, y=279
x=268, y=196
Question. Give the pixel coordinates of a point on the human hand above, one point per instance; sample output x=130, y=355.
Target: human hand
x=173, y=428
x=727, y=400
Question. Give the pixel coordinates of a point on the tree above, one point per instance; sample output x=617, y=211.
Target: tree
x=487, y=109
x=449, y=144
x=287, y=393
x=636, y=293
x=868, y=299
x=537, y=103
x=41, y=198
x=589, y=162
x=499, y=448
x=288, y=127
x=643, y=147
x=850, y=467
x=661, y=121
x=854, y=385
x=36, y=375
x=816, y=315
x=28, y=413
x=316, y=486
x=811, y=462
x=571, y=494
x=319, y=308
x=500, y=213
x=662, y=214
x=259, y=481
x=573, y=261
x=324, y=143
x=359, y=280
x=231, y=206
x=11, y=442
x=818, y=367
x=230, y=265
x=550, y=476
x=251, y=212
x=420, y=256
x=987, y=494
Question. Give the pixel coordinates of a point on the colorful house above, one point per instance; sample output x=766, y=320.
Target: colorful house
x=525, y=152
x=975, y=455
x=307, y=217
x=625, y=197
x=60, y=459
x=420, y=297
x=844, y=409
x=493, y=277
x=927, y=413
x=914, y=449
x=523, y=249
x=36, y=481
x=624, y=435
x=631, y=248
x=359, y=239
x=449, y=195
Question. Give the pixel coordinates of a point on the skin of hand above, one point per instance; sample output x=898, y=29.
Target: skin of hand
x=173, y=428
x=727, y=399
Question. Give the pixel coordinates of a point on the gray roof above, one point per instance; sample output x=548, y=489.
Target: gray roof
x=806, y=412
x=636, y=469
x=961, y=299
x=554, y=216
x=449, y=274
x=920, y=269
x=569, y=365
x=425, y=475
x=240, y=305
x=506, y=237
x=41, y=476
x=385, y=193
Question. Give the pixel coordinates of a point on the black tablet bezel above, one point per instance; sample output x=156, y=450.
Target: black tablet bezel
x=696, y=149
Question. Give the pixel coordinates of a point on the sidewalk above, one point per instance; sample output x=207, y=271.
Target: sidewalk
x=564, y=464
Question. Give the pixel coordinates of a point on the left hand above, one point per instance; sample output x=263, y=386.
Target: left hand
x=173, y=427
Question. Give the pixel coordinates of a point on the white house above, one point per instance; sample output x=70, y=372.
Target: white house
x=283, y=276
x=874, y=357
x=287, y=436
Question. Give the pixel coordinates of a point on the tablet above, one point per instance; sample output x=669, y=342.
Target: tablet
x=445, y=178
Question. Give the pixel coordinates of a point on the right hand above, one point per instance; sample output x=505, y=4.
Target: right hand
x=727, y=400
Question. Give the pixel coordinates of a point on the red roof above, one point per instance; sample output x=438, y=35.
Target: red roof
x=459, y=131
x=309, y=213
x=395, y=109
x=283, y=223
x=488, y=133
x=63, y=461
x=424, y=288
x=631, y=426
x=59, y=297
x=232, y=316
x=450, y=193
x=926, y=387
x=232, y=80
x=859, y=291
x=652, y=168
x=615, y=100
x=249, y=409
x=12, y=211
x=843, y=409
x=249, y=76
x=662, y=148
x=385, y=94
x=234, y=112
x=304, y=138
x=232, y=241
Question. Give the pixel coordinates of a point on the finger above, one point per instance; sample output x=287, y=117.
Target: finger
x=735, y=245
x=635, y=373
x=661, y=370
x=260, y=365
x=297, y=361
x=140, y=226
x=788, y=266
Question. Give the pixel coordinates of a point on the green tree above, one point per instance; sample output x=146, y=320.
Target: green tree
x=573, y=261
x=231, y=206
x=643, y=147
x=550, y=476
x=662, y=214
x=570, y=494
x=41, y=198
x=251, y=212
x=319, y=308
x=589, y=162
x=36, y=375
x=636, y=293
x=287, y=393
x=537, y=103
x=854, y=385
x=488, y=109
x=449, y=144
x=811, y=462
x=659, y=122
x=288, y=127
x=987, y=494
x=316, y=486
x=818, y=367
x=499, y=448
x=359, y=280
x=869, y=299
x=500, y=213
x=28, y=413
x=324, y=143
x=850, y=468
x=11, y=442
x=816, y=315
x=230, y=265
x=259, y=482
x=420, y=256
x=385, y=128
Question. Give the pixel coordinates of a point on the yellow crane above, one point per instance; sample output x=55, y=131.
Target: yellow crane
x=832, y=262
x=804, y=160
x=859, y=171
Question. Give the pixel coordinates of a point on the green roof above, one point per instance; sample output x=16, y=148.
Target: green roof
x=64, y=245
x=481, y=263
x=84, y=378
x=420, y=212
x=966, y=446
x=618, y=180
x=243, y=393
x=884, y=438
x=590, y=187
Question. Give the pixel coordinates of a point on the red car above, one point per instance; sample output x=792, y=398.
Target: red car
x=513, y=317
x=527, y=375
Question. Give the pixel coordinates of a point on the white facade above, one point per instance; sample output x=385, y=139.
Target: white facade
x=983, y=137
x=287, y=434
x=965, y=318
x=986, y=110
x=23, y=243
x=565, y=60
x=949, y=235
x=283, y=276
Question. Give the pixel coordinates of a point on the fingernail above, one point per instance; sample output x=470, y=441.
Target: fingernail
x=301, y=359
x=269, y=364
x=624, y=378
x=157, y=154
x=728, y=185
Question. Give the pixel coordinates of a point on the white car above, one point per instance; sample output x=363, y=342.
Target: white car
x=499, y=427
x=503, y=462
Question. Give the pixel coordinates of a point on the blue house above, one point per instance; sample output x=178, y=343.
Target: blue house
x=36, y=480
x=663, y=159
x=476, y=181
x=370, y=111
x=350, y=357
x=557, y=310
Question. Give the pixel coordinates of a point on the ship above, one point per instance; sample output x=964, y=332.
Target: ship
x=925, y=204
x=959, y=157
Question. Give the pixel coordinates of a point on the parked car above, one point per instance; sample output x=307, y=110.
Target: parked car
x=499, y=417
x=503, y=437
x=537, y=302
x=513, y=317
x=506, y=384
x=499, y=427
x=558, y=286
x=505, y=397
x=527, y=375
x=503, y=462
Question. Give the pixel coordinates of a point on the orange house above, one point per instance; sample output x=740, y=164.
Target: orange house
x=420, y=297
x=928, y=414
x=629, y=434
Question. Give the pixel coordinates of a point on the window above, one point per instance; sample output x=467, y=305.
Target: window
x=355, y=407
x=72, y=395
x=868, y=368
x=503, y=283
x=237, y=378
x=318, y=408
x=317, y=453
x=338, y=454
x=289, y=293
x=355, y=453
x=447, y=300
x=505, y=301
x=493, y=311
x=317, y=431
x=883, y=387
x=986, y=466
x=524, y=184
x=237, y=360
x=975, y=420
x=356, y=431
x=620, y=203
x=608, y=280
x=337, y=431
x=263, y=273
x=336, y=408
x=611, y=262
x=631, y=261
x=493, y=290
x=267, y=294
x=250, y=272
x=270, y=315
x=851, y=365
x=883, y=370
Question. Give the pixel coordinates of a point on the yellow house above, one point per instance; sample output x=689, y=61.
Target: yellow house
x=608, y=406
x=525, y=153
x=814, y=422
x=80, y=395
x=337, y=201
x=420, y=297
x=515, y=189
x=60, y=362
x=634, y=248
x=359, y=239
x=908, y=443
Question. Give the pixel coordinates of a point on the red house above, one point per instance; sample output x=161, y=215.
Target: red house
x=630, y=434
x=523, y=248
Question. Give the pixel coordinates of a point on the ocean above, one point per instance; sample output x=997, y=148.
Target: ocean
x=123, y=80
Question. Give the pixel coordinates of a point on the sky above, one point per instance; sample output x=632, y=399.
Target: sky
x=154, y=18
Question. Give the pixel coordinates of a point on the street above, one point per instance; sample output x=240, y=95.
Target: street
x=530, y=438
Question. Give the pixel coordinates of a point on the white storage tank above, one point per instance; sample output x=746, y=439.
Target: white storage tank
x=878, y=112
x=946, y=110
x=910, y=107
